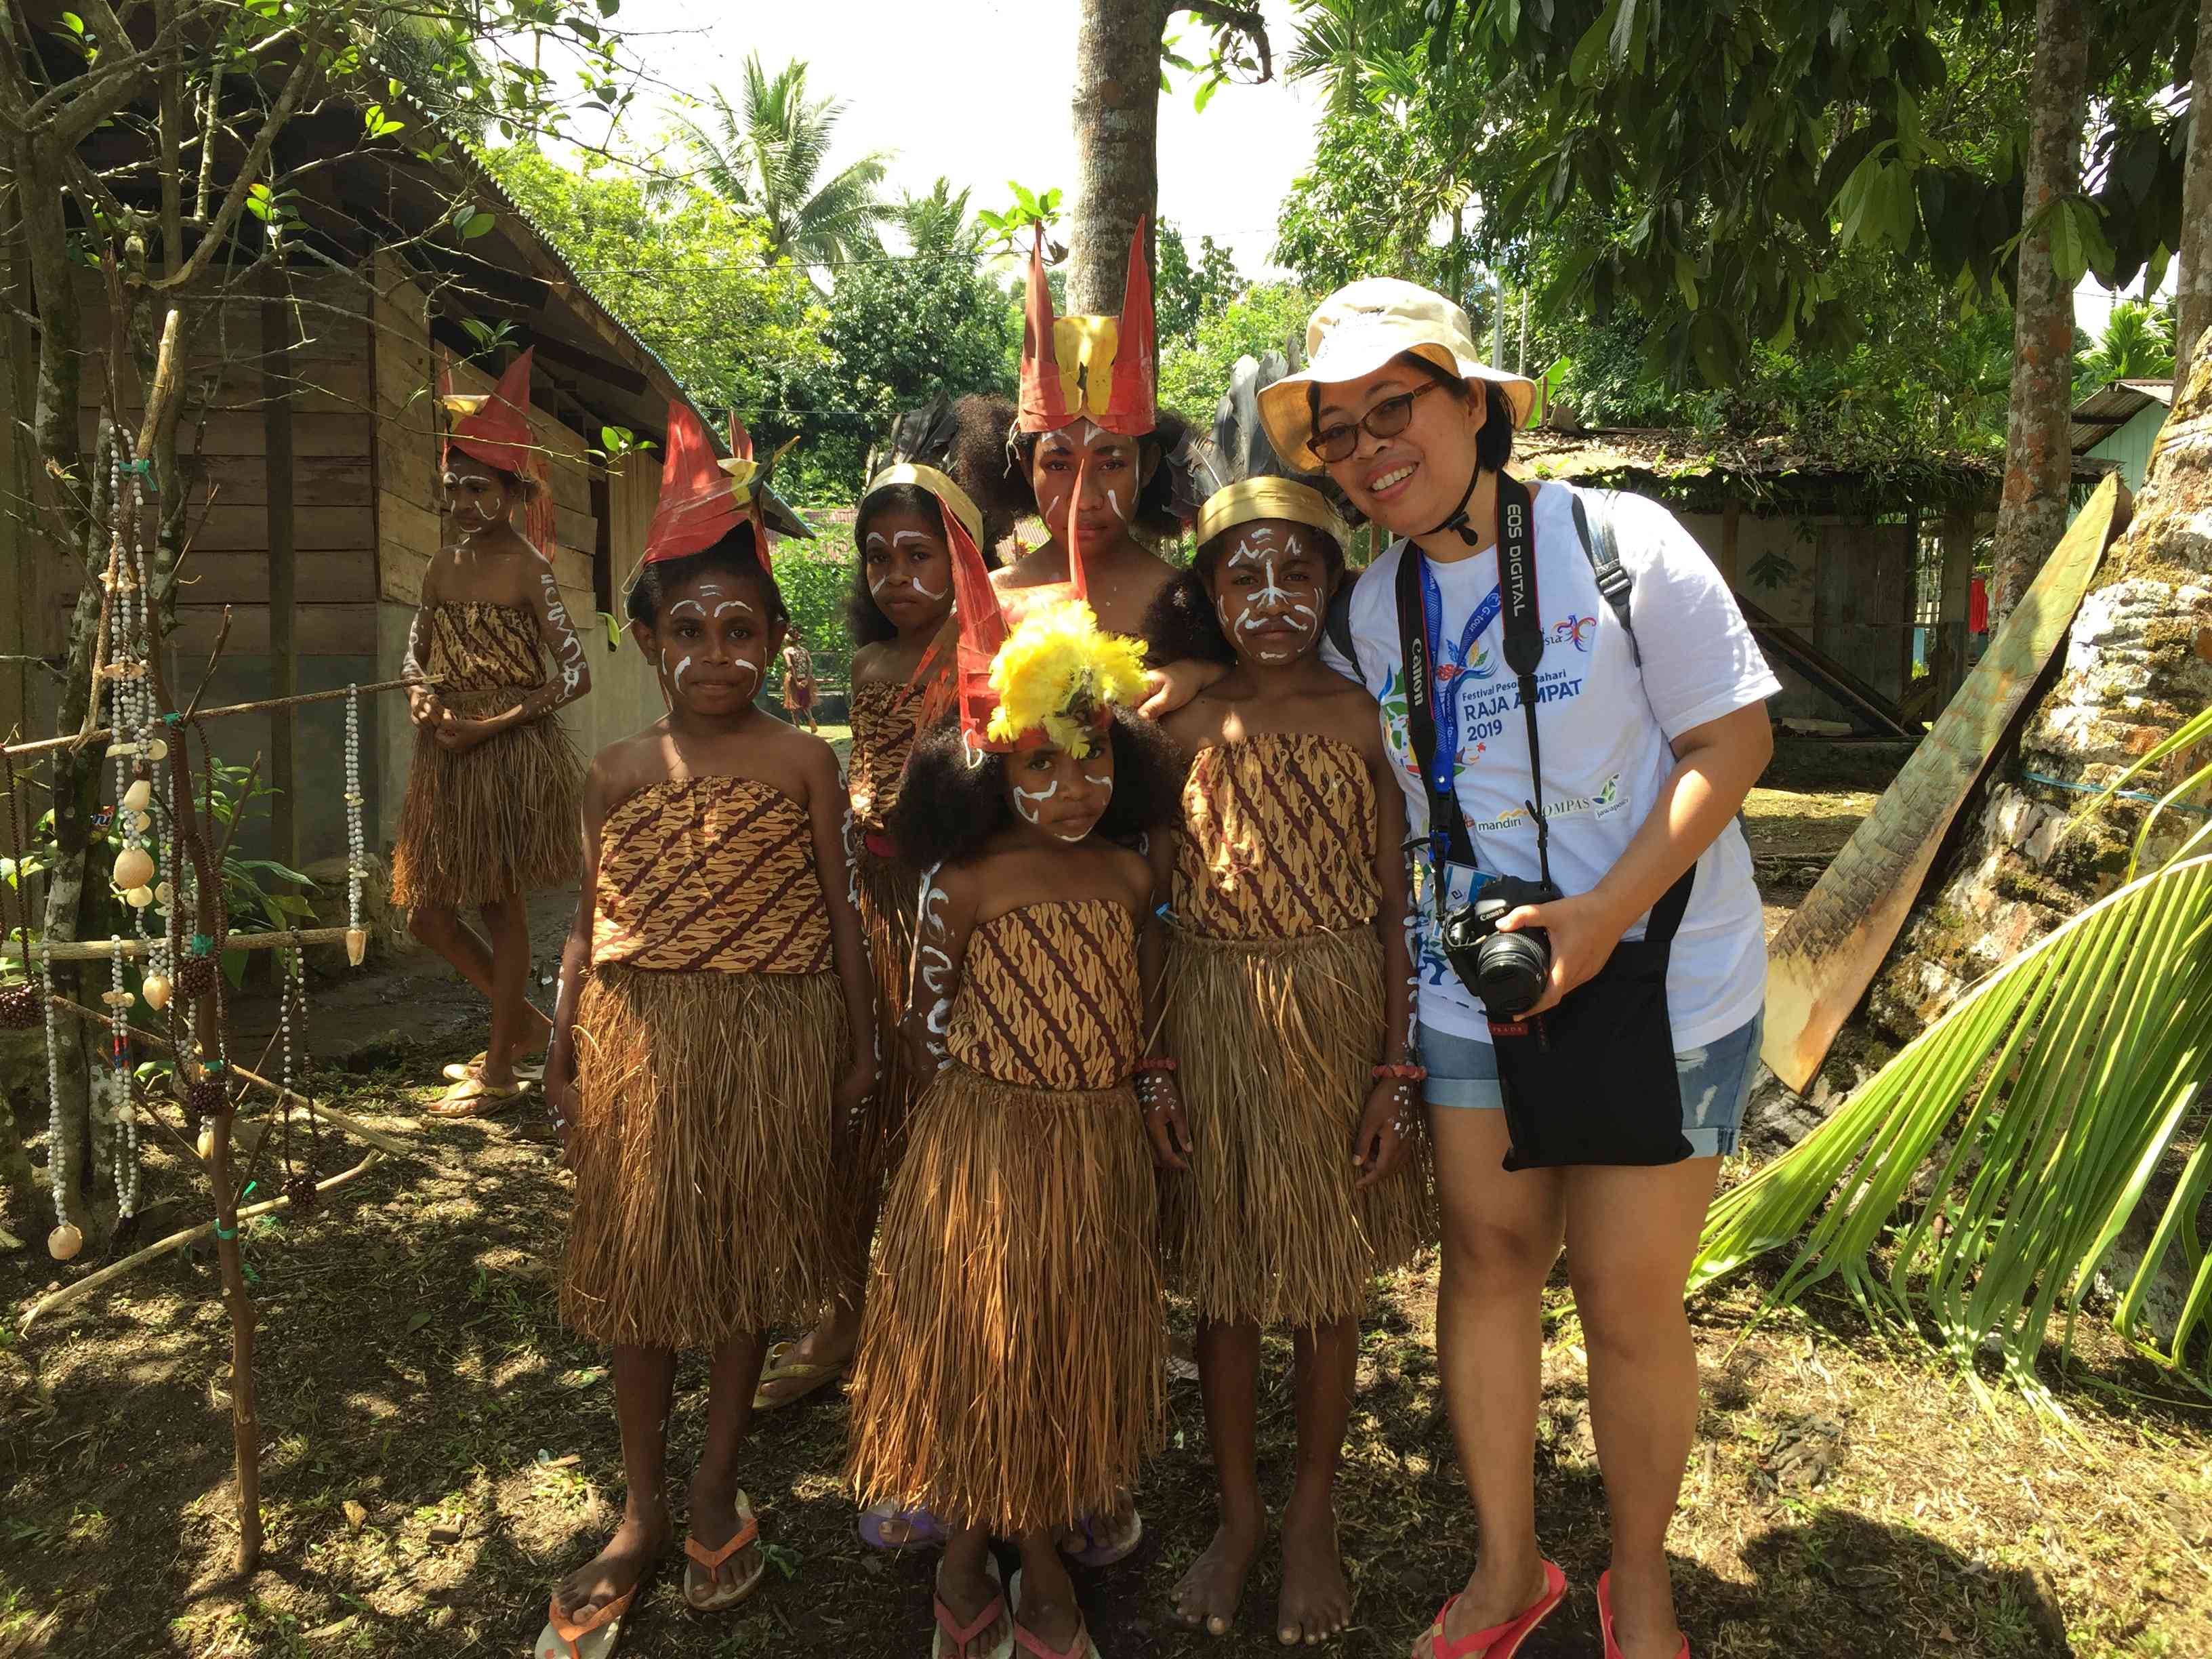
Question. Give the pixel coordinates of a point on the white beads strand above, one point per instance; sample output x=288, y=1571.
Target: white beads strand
x=357, y=941
x=66, y=1239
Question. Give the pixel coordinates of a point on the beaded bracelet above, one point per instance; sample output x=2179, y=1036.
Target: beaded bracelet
x=1156, y=1063
x=1402, y=1073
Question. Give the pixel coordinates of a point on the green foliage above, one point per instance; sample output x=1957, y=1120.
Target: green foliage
x=1011, y=227
x=815, y=577
x=1195, y=373
x=685, y=269
x=767, y=155
x=1364, y=207
x=1998, y=1159
x=1184, y=295
x=1707, y=170
x=2137, y=345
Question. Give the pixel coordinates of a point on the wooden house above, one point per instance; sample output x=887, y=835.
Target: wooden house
x=311, y=448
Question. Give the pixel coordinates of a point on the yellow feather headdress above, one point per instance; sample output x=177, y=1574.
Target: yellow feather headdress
x=1060, y=675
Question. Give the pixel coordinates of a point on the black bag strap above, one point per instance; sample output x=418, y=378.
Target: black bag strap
x=1594, y=523
x=1525, y=636
x=1447, y=824
x=1336, y=626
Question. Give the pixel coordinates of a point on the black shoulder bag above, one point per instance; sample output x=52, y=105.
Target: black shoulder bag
x=1593, y=1081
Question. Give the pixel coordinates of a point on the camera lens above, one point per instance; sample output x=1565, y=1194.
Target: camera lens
x=1511, y=969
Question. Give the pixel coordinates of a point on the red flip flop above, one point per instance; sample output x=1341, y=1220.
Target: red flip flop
x=1605, y=1620
x=1500, y=1641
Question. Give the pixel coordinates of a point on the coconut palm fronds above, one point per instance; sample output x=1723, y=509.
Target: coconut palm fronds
x=2047, y=1104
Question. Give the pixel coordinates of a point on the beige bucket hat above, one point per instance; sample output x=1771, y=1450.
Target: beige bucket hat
x=1356, y=330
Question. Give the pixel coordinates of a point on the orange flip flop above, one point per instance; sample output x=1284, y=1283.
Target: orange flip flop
x=1500, y=1641
x=699, y=1574
x=592, y=1636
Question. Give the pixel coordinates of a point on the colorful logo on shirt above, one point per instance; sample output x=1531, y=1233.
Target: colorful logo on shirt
x=1571, y=629
x=1397, y=730
x=1604, y=804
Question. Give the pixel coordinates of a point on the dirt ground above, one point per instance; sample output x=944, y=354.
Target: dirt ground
x=439, y=1449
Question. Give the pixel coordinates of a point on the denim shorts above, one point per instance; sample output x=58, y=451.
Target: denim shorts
x=1716, y=1081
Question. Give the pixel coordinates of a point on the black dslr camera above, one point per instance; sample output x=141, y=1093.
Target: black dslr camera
x=1508, y=971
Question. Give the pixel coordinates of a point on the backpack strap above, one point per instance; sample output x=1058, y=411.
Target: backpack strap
x=1336, y=626
x=1594, y=523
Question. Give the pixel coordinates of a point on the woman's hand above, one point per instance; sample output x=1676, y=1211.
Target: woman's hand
x=423, y=705
x=1174, y=685
x=1584, y=929
x=562, y=1100
x=1384, y=1140
x=457, y=735
x=1164, y=1123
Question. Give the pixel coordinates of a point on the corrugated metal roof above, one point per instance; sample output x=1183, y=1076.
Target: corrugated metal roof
x=2111, y=407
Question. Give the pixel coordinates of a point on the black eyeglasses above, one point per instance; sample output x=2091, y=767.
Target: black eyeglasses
x=1386, y=420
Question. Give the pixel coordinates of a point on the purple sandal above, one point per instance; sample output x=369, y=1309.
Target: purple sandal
x=1094, y=1553
x=928, y=1532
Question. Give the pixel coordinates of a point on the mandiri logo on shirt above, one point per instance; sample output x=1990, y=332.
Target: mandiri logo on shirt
x=1603, y=804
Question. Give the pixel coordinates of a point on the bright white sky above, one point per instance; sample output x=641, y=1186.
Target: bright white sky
x=977, y=90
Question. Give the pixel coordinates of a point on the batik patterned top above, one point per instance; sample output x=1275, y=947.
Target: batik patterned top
x=710, y=874
x=883, y=737
x=1278, y=840
x=1048, y=996
x=477, y=646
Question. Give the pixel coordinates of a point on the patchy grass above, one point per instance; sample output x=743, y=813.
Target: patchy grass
x=439, y=1449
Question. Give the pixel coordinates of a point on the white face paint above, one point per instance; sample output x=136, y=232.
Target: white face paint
x=1115, y=501
x=683, y=606
x=735, y=605
x=677, y=678
x=1247, y=610
x=1024, y=796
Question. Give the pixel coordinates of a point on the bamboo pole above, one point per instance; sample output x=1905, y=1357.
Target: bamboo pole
x=44, y=745
x=103, y=950
x=78, y=1289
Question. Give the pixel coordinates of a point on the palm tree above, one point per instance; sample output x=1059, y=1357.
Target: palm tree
x=938, y=222
x=766, y=158
x=2137, y=345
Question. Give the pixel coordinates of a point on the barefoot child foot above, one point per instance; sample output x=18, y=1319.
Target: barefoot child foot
x=698, y=1116
x=1316, y=1602
x=1207, y=1596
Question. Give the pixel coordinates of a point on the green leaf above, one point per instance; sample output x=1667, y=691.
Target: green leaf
x=1624, y=33
x=1590, y=50
x=478, y=225
x=1203, y=96
x=418, y=1320
x=1685, y=280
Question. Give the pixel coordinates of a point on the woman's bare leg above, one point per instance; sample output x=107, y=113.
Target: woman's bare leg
x=1501, y=1235
x=516, y=1026
x=1631, y=1234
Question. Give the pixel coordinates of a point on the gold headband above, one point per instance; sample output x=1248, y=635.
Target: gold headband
x=1271, y=496
x=937, y=483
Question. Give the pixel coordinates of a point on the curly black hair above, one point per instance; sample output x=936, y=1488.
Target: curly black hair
x=863, y=618
x=992, y=462
x=1183, y=625
x=733, y=554
x=948, y=811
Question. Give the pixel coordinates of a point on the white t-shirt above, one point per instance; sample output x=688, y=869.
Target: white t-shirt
x=1605, y=729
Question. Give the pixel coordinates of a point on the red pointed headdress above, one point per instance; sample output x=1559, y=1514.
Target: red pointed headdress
x=495, y=428
x=704, y=497
x=1105, y=369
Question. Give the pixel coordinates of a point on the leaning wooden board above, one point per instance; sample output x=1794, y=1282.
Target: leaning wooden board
x=1826, y=954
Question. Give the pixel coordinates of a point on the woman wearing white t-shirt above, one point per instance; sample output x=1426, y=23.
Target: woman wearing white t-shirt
x=1651, y=736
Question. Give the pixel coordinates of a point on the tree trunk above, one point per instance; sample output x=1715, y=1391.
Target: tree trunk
x=1117, y=107
x=2038, y=450
x=2193, y=281
x=2138, y=662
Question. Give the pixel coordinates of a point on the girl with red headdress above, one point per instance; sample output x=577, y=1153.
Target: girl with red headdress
x=1088, y=409
x=1012, y=1357
x=490, y=811
x=714, y=1036
x=898, y=611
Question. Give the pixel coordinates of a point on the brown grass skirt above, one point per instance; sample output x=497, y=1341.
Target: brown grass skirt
x=502, y=818
x=889, y=889
x=703, y=1154
x=1012, y=1362
x=1276, y=1041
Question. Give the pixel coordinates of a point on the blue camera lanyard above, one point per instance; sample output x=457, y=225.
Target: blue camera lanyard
x=1444, y=696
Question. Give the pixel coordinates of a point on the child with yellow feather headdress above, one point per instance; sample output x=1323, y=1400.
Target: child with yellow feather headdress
x=1290, y=1000
x=1011, y=1365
